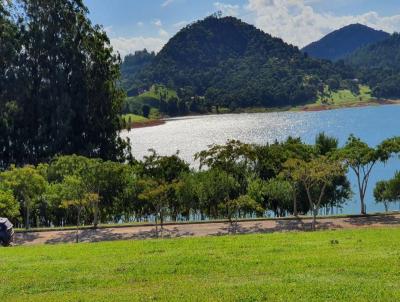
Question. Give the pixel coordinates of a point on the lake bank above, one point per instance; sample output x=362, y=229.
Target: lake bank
x=193, y=134
x=303, y=108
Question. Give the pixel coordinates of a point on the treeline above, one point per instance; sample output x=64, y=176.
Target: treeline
x=233, y=181
x=59, y=91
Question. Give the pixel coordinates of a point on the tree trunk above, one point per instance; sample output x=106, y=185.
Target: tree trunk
x=27, y=224
x=363, y=210
x=156, y=227
x=295, y=204
x=96, y=216
x=314, y=222
x=77, y=226
x=161, y=225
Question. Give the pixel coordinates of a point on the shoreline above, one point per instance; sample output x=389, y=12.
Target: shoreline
x=303, y=108
x=318, y=107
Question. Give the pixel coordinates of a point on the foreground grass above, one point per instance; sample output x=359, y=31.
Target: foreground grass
x=363, y=265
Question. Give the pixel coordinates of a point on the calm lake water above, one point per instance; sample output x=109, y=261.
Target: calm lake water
x=193, y=134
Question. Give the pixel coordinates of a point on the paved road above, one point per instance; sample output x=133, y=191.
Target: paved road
x=205, y=229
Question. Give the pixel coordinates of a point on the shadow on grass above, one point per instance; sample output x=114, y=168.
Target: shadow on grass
x=97, y=235
x=374, y=220
x=212, y=229
x=278, y=226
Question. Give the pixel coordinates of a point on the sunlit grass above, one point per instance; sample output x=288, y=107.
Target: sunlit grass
x=348, y=265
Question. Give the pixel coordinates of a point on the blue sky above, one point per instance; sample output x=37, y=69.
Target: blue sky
x=138, y=24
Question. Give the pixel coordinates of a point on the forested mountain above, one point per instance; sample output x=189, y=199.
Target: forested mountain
x=134, y=63
x=234, y=64
x=379, y=66
x=384, y=54
x=340, y=43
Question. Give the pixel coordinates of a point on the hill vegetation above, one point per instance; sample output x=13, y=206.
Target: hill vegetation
x=134, y=63
x=378, y=66
x=227, y=63
x=342, y=42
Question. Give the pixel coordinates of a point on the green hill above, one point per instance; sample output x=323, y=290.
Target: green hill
x=228, y=63
x=342, y=42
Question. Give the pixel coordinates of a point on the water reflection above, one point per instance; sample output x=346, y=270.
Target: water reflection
x=192, y=134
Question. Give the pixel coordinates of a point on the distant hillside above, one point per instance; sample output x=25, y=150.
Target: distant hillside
x=134, y=63
x=384, y=54
x=341, y=43
x=234, y=64
x=379, y=66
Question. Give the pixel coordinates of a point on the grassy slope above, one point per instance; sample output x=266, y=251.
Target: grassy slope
x=363, y=266
x=134, y=118
x=345, y=96
x=170, y=93
x=148, y=98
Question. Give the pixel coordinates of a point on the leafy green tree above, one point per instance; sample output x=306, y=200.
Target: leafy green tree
x=213, y=187
x=232, y=208
x=9, y=206
x=388, y=191
x=75, y=194
x=361, y=159
x=325, y=144
x=27, y=186
x=382, y=193
x=146, y=110
x=157, y=197
x=61, y=92
x=315, y=175
x=235, y=158
x=280, y=196
x=166, y=168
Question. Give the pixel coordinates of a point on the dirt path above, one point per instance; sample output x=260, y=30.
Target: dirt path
x=205, y=229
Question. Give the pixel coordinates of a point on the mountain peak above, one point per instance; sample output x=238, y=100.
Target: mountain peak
x=342, y=42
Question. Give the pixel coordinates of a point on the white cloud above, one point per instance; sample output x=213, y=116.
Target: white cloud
x=227, y=9
x=140, y=24
x=296, y=22
x=108, y=30
x=167, y=2
x=157, y=22
x=129, y=45
x=180, y=24
x=163, y=33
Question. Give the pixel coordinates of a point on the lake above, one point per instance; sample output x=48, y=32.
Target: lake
x=192, y=134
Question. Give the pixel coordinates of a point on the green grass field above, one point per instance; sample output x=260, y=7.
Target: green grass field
x=157, y=90
x=134, y=118
x=363, y=265
x=345, y=96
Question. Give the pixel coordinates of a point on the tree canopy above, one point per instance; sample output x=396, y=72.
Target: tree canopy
x=59, y=91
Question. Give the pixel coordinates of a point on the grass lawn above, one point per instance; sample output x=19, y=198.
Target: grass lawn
x=345, y=96
x=134, y=118
x=157, y=90
x=364, y=265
